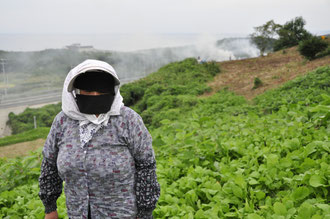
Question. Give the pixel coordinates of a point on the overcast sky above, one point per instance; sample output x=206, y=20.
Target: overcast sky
x=157, y=16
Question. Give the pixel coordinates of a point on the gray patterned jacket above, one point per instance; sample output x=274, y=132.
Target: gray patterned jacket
x=112, y=176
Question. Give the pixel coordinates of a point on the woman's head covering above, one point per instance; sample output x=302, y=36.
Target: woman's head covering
x=95, y=80
x=92, y=69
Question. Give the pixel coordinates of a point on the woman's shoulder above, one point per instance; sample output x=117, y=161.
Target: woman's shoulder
x=125, y=110
x=128, y=113
x=61, y=117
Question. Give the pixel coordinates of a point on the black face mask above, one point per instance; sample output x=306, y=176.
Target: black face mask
x=89, y=104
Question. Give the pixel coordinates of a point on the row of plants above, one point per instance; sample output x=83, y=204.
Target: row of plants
x=268, y=160
x=246, y=166
x=221, y=157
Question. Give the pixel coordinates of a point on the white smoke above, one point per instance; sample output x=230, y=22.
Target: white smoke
x=147, y=53
x=208, y=47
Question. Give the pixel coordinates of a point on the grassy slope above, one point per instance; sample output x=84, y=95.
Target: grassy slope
x=238, y=75
x=242, y=164
x=226, y=163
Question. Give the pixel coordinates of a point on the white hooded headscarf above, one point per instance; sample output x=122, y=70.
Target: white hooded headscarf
x=89, y=124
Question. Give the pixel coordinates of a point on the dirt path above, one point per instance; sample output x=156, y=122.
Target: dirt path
x=21, y=149
x=273, y=70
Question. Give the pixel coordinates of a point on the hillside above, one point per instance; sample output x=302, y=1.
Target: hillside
x=218, y=156
x=273, y=70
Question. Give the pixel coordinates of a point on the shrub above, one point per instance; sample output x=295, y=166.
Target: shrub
x=133, y=92
x=24, y=121
x=257, y=83
x=326, y=52
x=311, y=47
x=212, y=68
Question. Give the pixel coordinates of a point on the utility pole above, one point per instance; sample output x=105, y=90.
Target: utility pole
x=5, y=78
x=35, y=121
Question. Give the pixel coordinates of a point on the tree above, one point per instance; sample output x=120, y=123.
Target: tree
x=311, y=47
x=291, y=33
x=263, y=37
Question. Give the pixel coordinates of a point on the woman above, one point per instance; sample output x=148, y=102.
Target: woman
x=100, y=148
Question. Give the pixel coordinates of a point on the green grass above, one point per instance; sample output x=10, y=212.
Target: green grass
x=219, y=156
x=25, y=136
x=25, y=120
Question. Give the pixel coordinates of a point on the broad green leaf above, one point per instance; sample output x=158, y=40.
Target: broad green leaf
x=316, y=181
x=240, y=181
x=200, y=214
x=260, y=195
x=248, y=207
x=300, y=193
x=326, y=146
x=254, y=216
x=279, y=209
x=305, y=211
x=278, y=216
x=272, y=159
x=324, y=207
x=253, y=182
x=238, y=192
x=309, y=149
x=255, y=174
x=291, y=211
x=231, y=214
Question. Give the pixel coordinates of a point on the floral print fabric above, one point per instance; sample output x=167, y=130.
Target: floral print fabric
x=113, y=173
x=87, y=130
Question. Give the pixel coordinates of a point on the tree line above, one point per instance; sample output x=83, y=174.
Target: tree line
x=274, y=37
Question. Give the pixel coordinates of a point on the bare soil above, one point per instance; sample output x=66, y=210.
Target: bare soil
x=273, y=70
x=21, y=149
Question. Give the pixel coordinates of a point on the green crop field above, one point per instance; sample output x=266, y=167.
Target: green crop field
x=218, y=156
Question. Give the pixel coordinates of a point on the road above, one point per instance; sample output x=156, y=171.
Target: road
x=18, y=103
x=50, y=96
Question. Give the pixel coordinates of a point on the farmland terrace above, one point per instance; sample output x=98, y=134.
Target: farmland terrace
x=273, y=70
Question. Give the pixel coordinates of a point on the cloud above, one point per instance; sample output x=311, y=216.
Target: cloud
x=161, y=16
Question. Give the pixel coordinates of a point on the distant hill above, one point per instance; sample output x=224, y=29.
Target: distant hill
x=37, y=72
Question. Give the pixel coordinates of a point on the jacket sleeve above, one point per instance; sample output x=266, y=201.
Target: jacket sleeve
x=147, y=187
x=50, y=183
